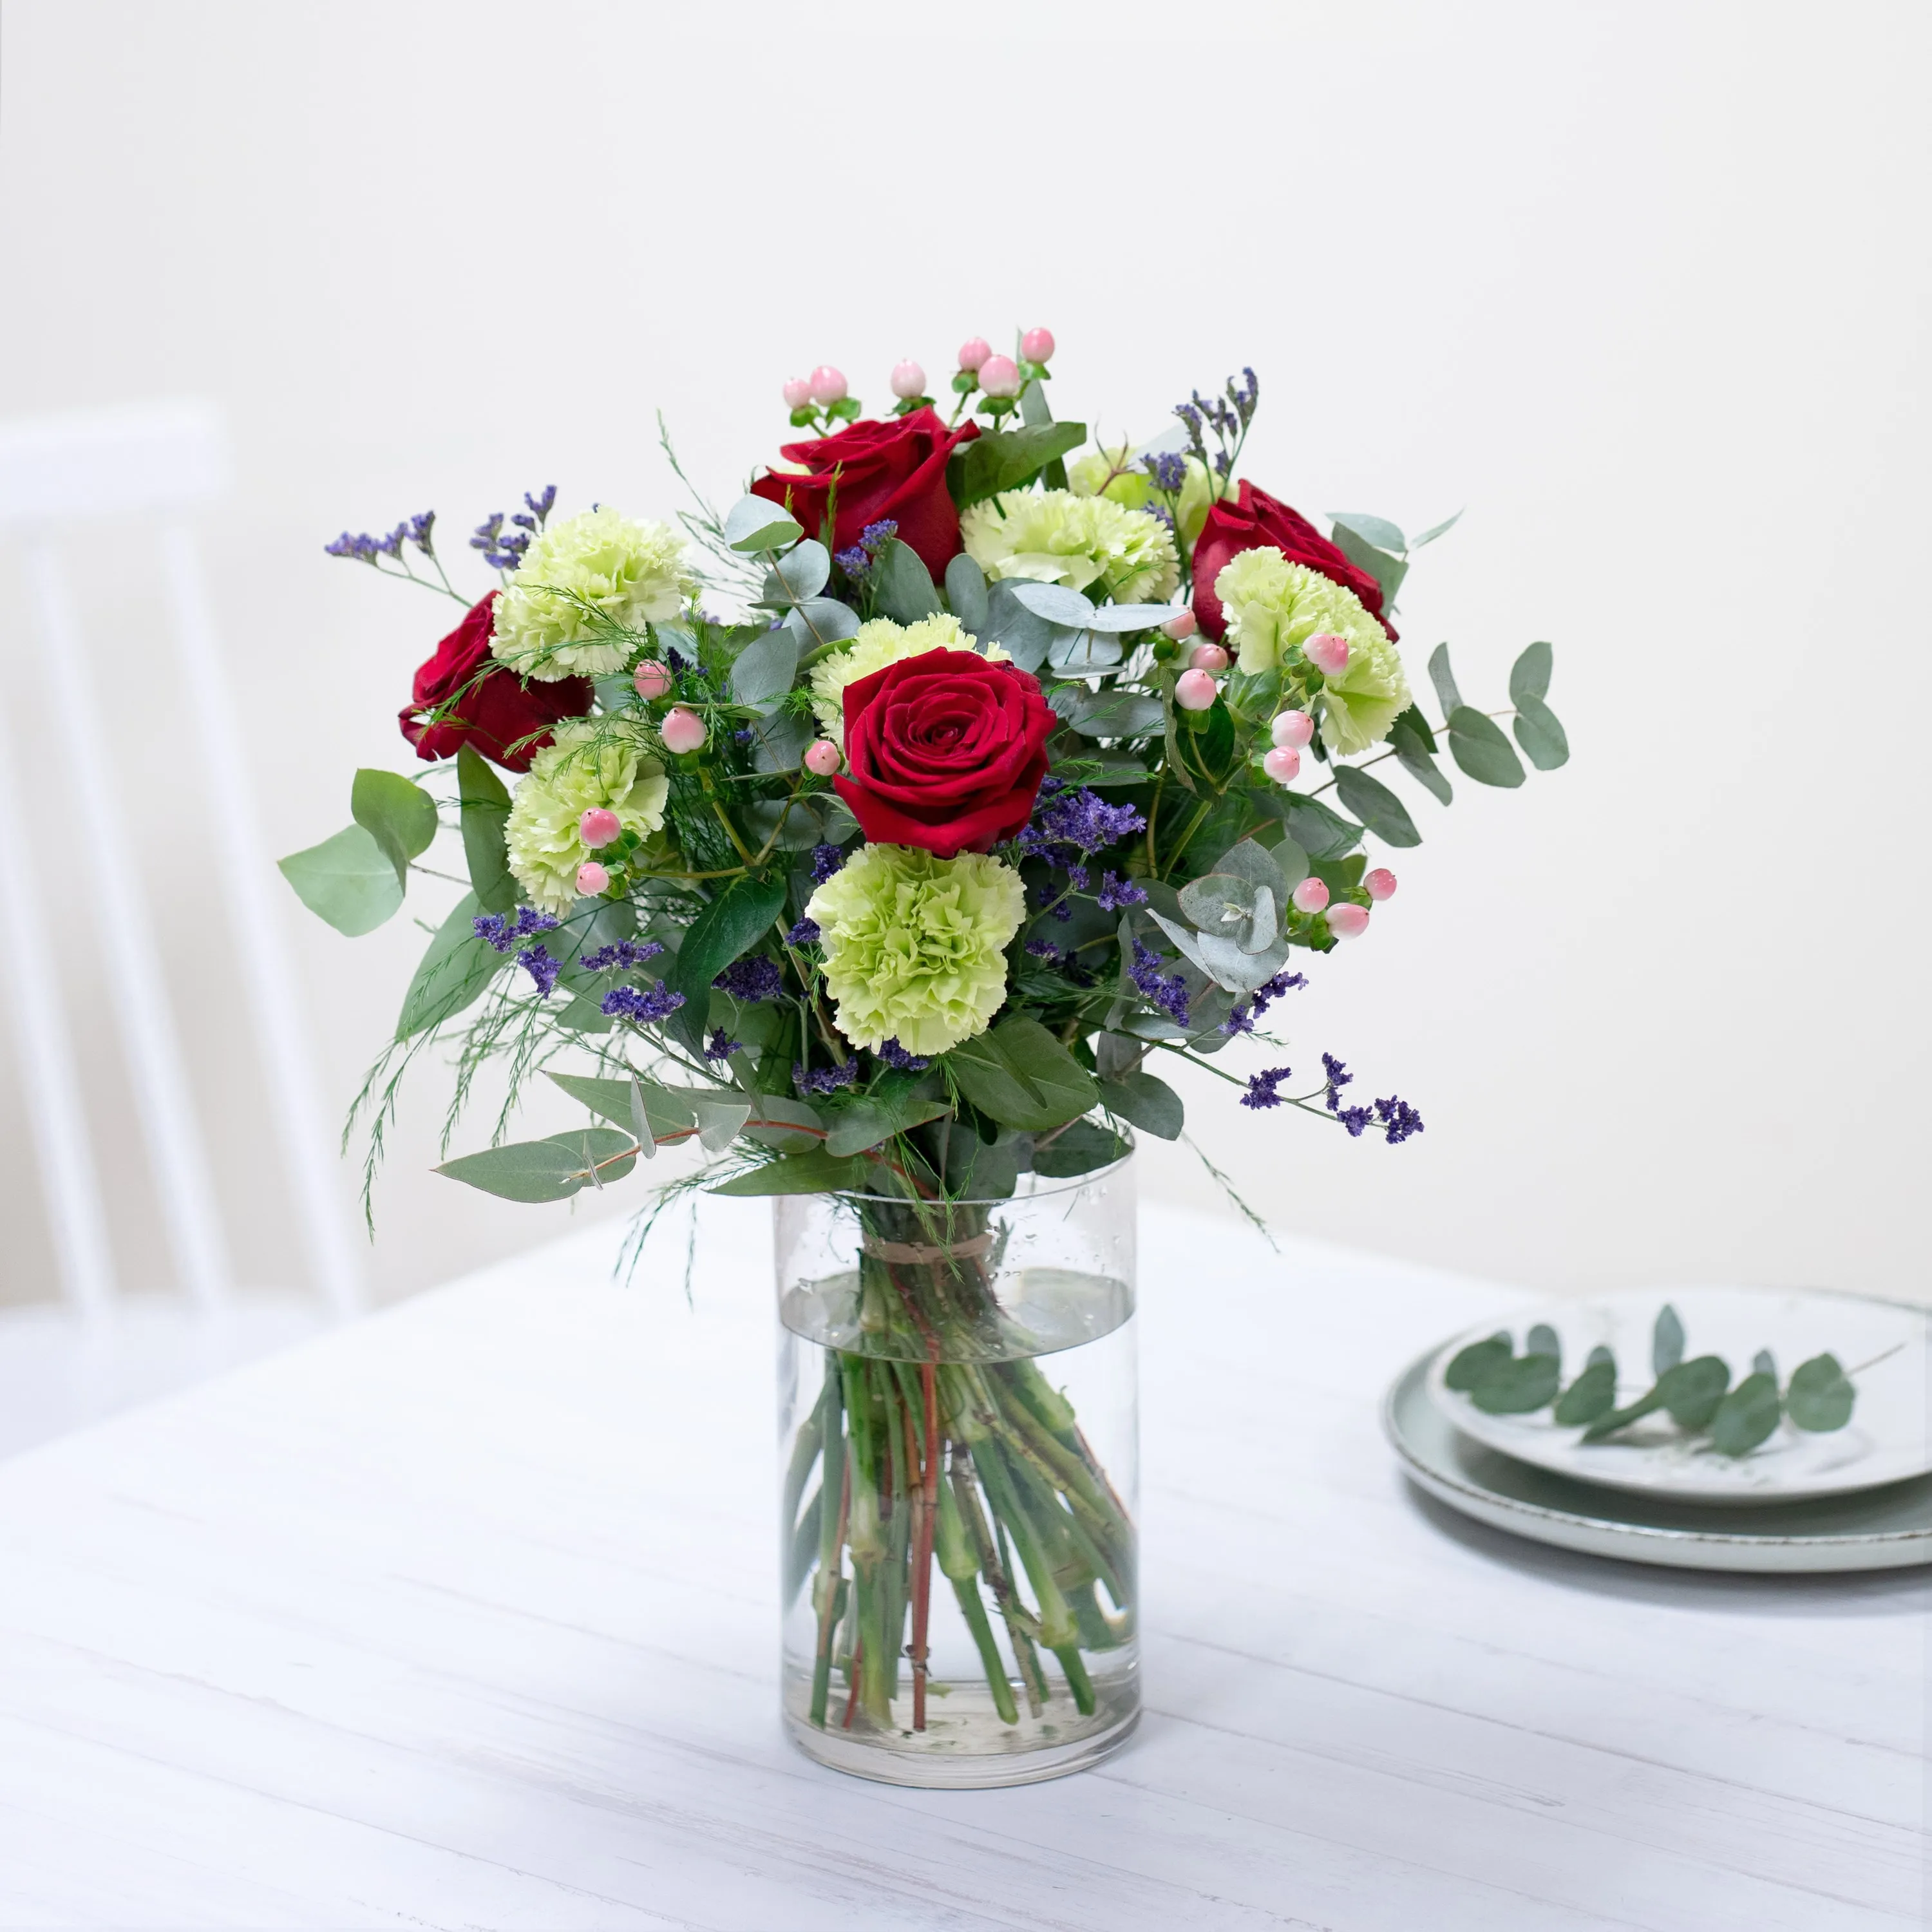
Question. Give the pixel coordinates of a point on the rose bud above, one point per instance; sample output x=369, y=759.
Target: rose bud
x=1380, y=884
x=1294, y=729
x=822, y=757
x=1282, y=764
x=683, y=730
x=1196, y=690
x=797, y=393
x=598, y=826
x=1181, y=626
x=828, y=385
x=972, y=354
x=999, y=375
x=1036, y=345
x=908, y=381
x=1208, y=657
x=1327, y=653
x=652, y=679
x=1348, y=921
x=591, y=879
x=1311, y=895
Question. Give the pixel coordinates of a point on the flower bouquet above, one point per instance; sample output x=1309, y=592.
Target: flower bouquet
x=883, y=834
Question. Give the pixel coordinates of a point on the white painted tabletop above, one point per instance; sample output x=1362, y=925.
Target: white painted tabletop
x=465, y=1616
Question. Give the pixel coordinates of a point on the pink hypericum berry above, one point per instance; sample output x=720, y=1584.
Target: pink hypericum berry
x=652, y=679
x=1208, y=657
x=999, y=375
x=1196, y=690
x=1327, y=653
x=797, y=393
x=1380, y=884
x=822, y=758
x=1311, y=895
x=683, y=730
x=828, y=384
x=591, y=878
x=1181, y=626
x=1036, y=345
x=1294, y=729
x=598, y=826
x=973, y=353
x=1348, y=921
x=1282, y=764
x=908, y=380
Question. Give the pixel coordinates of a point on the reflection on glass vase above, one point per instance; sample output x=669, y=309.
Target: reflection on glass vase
x=958, y=1422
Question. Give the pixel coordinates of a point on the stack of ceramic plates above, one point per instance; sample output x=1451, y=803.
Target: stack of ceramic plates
x=1858, y=1498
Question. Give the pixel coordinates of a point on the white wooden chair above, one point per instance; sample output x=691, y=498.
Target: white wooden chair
x=95, y=1349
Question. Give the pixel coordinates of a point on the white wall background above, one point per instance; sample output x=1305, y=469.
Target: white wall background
x=1643, y=286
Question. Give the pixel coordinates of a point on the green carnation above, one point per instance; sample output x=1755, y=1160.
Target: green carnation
x=876, y=645
x=587, y=767
x=548, y=624
x=1088, y=543
x=915, y=946
x=1274, y=607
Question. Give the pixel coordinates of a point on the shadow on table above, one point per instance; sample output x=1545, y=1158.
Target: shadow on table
x=1850, y=1593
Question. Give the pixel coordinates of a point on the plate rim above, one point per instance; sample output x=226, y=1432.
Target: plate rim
x=1723, y=1499
x=1643, y=1543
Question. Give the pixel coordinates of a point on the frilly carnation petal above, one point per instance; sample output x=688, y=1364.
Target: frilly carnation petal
x=589, y=767
x=874, y=647
x=1273, y=606
x=1089, y=544
x=915, y=946
x=633, y=574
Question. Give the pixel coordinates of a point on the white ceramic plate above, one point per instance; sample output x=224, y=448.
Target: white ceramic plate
x=1889, y=1528
x=1888, y=1439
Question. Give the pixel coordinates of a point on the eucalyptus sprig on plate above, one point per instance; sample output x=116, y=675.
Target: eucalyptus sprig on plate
x=1698, y=1395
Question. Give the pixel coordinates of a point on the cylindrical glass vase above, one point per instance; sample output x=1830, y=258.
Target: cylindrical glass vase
x=957, y=1425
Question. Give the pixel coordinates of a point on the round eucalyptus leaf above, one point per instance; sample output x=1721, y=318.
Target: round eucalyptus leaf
x=1469, y=1365
x=1746, y=1416
x=1692, y=1390
x=1592, y=1394
x=1515, y=1387
x=1821, y=1396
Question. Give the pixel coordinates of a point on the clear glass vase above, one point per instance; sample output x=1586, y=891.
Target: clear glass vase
x=957, y=1425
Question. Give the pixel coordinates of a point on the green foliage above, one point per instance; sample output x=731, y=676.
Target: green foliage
x=892, y=1107
x=1746, y=1416
x=1518, y=1385
x=728, y=927
x=400, y=816
x=1444, y=679
x=756, y=524
x=1018, y=1075
x=1376, y=805
x=764, y=670
x=1373, y=544
x=1529, y=676
x=1413, y=743
x=903, y=586
x=1593, y=1393
x=1477, y=744
x=350, y=881
x=453, y=973
x=1821, y=1396
x=485, y=805
x=1470, y=1366
x=1077, y=1149
x=966, y=592
x=813, y=1173
x=1007, y=458
x=1145, y=1102
x=1542, y=739
x=1666, y=1340
x=551, y=1169
x=1320, y=833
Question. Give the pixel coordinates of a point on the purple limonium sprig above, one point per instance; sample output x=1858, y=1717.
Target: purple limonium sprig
x=500, y=551
x=805, y=933
x=1262, y=1087
x=536, y=961
x=500, y=932
x=1168, y=469
x=1246, y=1012
x=825, y=859
x=1168, y=993
x=1082, y=819
x=1338, y=1077
x=1045, y=949
x=1117, y=893
x=627, y=1003
x=1398, y=1120
x=756, y=978
x=854, y=562
x=895, y=1055
x=627, y=952
x=720, y=1047
x=823, y=1079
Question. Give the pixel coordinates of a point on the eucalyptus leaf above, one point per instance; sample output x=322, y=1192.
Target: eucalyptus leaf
x=1529, y=676
x=1477, y=744
x=1386, y=570
x=1543, y=1340
x=1376, y=530
x=1126, y=617
x=1692, y=1390
x=1592, y=1394
x=966, y=591
x=815, y=1172
x=485, y=805
x=1320, y=833
x=1055, y=603
x=1746, y=1416
x=801, y=573
x=822, y=620
x=1544, y=742
x=453, y=973
x=1434, y=531
x=1821, y=1396
x=1764, y=1363
x=757, y=523
x=1444, y=679
x=1081, y=653
x=400, y=816
x=350, y=881
x=779, y=743
x=1666, y=1340
x=1117, y=714
x=1018, y=1075
x=719, y=1121
x=1025, y=637
x=764, y=670
x=1079, y=1149
x=1376, y=805
x=788, y=1125
x=729, y=926
x=1518, y=1386
x=1648, y=1404
x=902, y=585
x=1414, y=758
x=668, y=1114
x=1471, y=1365
x=550, y=1169
x=875, y=1119
x=1145, y=1101
x=1006, y=458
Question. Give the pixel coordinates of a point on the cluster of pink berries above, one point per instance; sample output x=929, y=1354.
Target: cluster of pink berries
x=999, y=376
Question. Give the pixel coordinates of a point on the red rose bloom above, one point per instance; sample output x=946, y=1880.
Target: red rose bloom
x=1255, y=520
x=945, y=751
x=494, y=711
x=894, y=469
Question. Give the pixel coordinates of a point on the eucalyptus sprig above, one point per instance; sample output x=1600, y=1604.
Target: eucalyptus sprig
x=1698, y=1395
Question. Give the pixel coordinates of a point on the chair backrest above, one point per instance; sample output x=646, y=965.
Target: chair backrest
x=159, y=460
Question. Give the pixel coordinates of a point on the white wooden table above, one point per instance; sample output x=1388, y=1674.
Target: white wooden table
x=465, y=1617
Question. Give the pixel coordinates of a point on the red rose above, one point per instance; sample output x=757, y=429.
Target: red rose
x=494, y=711
x=946, y=751
x=1255, y=519
x=894, y=469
